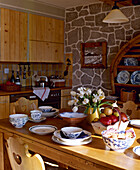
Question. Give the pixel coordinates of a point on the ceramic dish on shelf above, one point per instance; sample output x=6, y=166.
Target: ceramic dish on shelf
x=135, y=122
x=57, y=140
x=136, y=150
x=130, y=62
x=123, y=77
x=51, y=113
x=37, y=121
x=135, y=77
x=112, y=97
x=42, y=129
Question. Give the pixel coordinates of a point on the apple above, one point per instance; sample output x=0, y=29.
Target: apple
x=108, y=111
x=102, y=115
x=124, y=117
x=114, y=118
x=116, y=114
x=105, y=121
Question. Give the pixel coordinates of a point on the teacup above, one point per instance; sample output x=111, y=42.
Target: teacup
x=36, y=114
x=71, y=132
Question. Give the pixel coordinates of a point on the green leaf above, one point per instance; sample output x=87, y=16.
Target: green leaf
x=86, y=110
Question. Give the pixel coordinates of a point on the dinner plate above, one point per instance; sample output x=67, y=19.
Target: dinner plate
x=51, y=113
x=136, y=150
x=123, y=77
x=37, y=121
x=135, y=77
x=57, y=140
x=130, y=62
x=42, y=129
x=135, y=123
x=86, y=135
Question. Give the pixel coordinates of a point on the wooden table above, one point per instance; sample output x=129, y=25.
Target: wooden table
x=86, y=157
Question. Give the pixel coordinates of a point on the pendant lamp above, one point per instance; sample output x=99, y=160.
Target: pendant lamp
x=115, y=16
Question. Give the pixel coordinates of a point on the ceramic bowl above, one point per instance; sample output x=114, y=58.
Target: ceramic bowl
x=45, y=109
x=71, y=132
x=73, y=117
x=18, y=120
x=36, y=114
x=118, y=144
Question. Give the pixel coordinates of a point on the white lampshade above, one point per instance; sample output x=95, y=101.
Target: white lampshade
x=115, y=16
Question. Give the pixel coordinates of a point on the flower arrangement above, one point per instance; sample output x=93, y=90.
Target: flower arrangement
x=88, y=98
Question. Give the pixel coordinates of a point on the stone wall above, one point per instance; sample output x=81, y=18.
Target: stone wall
x=84, y=24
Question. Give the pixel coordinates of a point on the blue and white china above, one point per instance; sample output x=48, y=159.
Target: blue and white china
x=130, y=62
x=45, y=109
x=36, y=114
x=118, y=144
x=72, y=115
x=42, y=129
x=136, y=150
x=18, y=120
x=135, y=122
x=135, y=78
x=123, y=77
x=51, y=113
x=72, y=132
x=37, y=121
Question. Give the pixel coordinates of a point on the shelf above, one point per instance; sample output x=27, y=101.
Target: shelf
x=131, y=56
x=129, y=68
x=127, y=85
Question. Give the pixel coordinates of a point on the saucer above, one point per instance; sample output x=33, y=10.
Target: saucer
x=37, y=121
x=136, y=150
x=135, y=123
x=51, y=113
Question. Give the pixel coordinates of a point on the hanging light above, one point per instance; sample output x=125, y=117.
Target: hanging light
x=115, y=16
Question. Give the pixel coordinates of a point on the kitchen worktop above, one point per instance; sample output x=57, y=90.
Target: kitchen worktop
x=28, y=90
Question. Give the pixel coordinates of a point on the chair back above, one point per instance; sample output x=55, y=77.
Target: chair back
x=20, y=158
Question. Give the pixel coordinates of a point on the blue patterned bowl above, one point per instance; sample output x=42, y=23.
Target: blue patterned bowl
x=18, y=120
x=118, y=144
x=71, y=132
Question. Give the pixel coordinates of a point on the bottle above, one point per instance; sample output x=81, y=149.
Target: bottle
x=12, y=77
x=17, y=81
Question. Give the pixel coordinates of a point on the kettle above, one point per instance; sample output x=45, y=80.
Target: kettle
x=42, y=81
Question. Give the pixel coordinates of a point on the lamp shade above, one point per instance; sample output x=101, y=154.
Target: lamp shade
x=115, y=16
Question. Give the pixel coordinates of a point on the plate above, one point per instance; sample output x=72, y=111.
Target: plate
x=42, y=129
x=136, y=150
x=135, y=77
x=51, y=113
x=130, y=62
x=111, y=97
x=57, y=140
x=72, y=115
x=81, y=138
x=135, y=123
x=37, y=121
x=123, y=77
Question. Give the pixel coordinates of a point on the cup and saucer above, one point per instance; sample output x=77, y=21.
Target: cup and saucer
x=36, y=116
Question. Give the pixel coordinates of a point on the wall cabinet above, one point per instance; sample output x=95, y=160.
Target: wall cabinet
x=65, y=97
x=13, y=36
x=4, y=107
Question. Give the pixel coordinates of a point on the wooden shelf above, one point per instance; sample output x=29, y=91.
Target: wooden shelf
x=129, y=68
x=127, y=85
x=131, y=56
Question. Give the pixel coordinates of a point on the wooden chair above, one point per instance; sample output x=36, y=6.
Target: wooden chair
x=20, y=158
x=131, y=109
x=23, y=105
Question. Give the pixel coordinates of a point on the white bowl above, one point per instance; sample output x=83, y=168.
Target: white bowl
x=36, y=114
x=45, y=109
x=71, y=132
x=18, y=120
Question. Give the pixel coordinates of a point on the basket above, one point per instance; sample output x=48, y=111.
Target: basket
x=10, y=88
x=126, y=96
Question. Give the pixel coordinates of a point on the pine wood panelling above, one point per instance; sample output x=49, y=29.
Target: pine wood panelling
x=32, y=27
x=4, y=107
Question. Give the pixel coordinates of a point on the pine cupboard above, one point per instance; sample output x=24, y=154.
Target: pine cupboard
x=4, y=107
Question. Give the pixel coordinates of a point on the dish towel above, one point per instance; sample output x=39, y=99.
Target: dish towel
x=41, y=92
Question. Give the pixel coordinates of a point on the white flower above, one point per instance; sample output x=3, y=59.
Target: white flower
x=75, y=101
x=115, y=104
x=95, y=99
x=70, y=102
x=86, y=101
x=74, y=109
x=101, y=97
x=89, y=91
x=73, y=93
x=100, y=92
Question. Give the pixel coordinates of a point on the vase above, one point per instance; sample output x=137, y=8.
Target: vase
x=91, y=116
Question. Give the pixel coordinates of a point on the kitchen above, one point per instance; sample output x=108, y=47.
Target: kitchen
x=83, y=23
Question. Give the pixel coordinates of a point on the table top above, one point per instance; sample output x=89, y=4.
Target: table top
x=95, y=151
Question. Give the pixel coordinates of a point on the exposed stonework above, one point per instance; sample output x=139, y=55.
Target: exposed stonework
x=84, y=24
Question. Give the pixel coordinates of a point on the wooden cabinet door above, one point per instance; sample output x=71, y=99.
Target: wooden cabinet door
x=57, y=53
x=65, y=97
x=13, y=36
x=4, y=107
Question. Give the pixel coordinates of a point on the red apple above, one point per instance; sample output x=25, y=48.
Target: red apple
x=114, y=118
x=105, y=120
x=124, y=117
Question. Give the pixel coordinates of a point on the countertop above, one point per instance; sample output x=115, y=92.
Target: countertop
x=28, y=90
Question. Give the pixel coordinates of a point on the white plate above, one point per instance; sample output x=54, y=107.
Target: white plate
x=57, y=140
x=37, y=121
x=135, y=123
x=42, y=129
x=72, y=115
x=50, y=114
x=72, y=141
x=136, y=150
x=112, y=97
x=135, y=77
x=130, y=62
x=123, y=77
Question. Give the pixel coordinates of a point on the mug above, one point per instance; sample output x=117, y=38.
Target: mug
x=36, y=114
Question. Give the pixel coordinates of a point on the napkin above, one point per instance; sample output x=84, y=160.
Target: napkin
x=41, y=92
